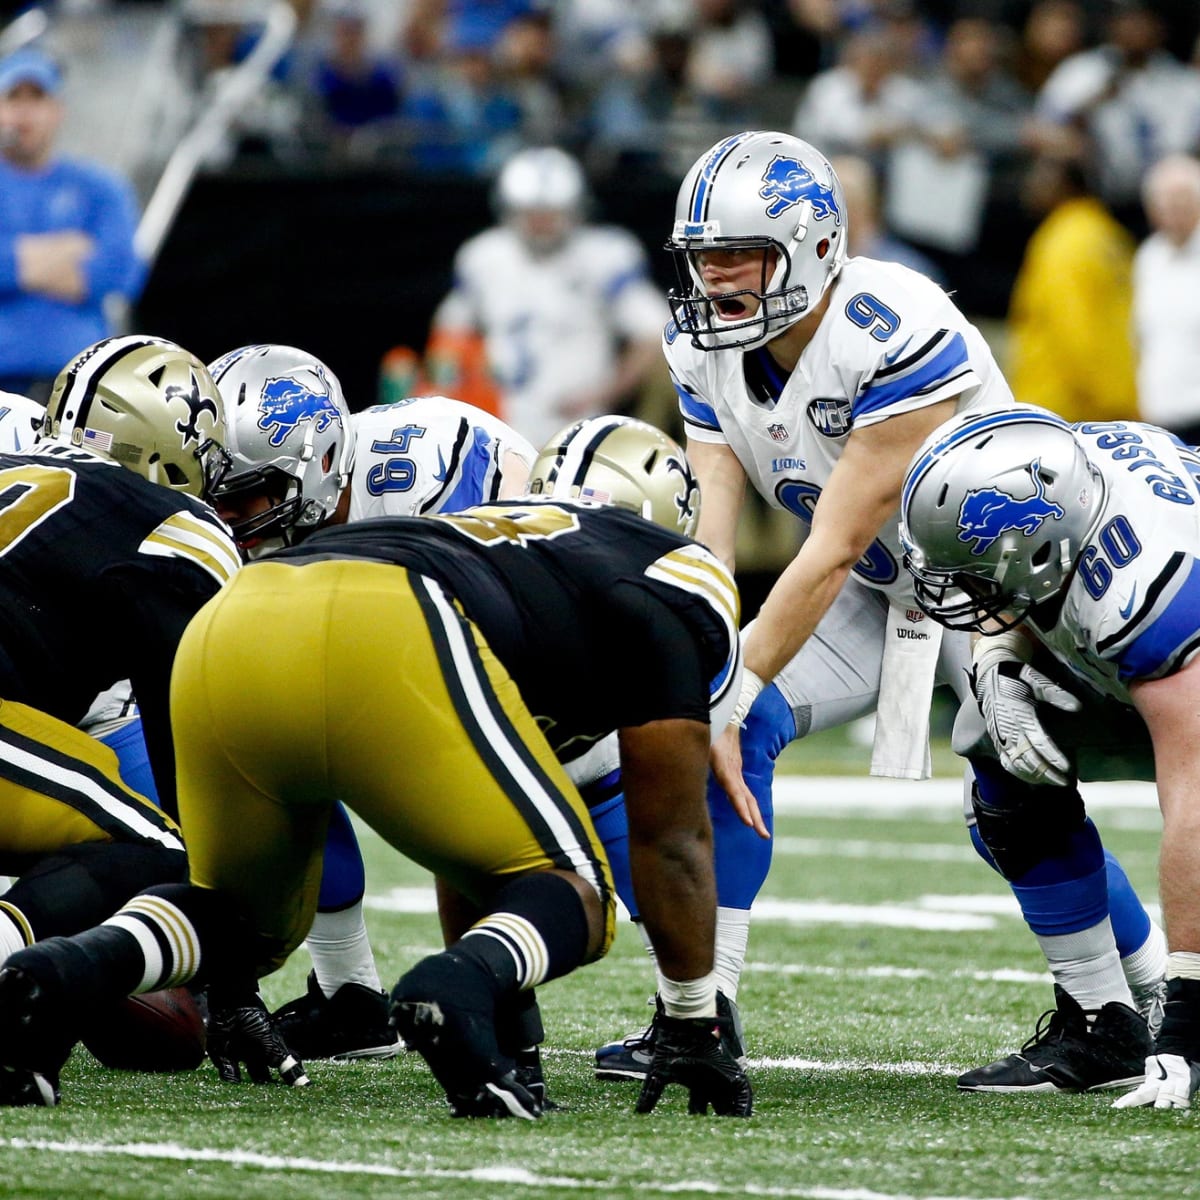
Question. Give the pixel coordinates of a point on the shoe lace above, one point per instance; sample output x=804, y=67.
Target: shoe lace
x=1052, y=1026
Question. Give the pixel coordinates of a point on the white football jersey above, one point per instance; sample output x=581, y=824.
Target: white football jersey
x=892, y=341
x=1132, y=608
x=20, y=419
x=428, y=454
x=552, y=323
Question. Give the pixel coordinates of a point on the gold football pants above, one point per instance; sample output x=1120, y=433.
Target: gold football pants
x=297, y=686
x=59, y=786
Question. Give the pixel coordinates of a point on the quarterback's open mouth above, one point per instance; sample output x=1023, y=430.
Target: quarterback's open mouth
x=730, y=307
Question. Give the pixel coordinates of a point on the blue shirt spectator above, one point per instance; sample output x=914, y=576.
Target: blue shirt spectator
x=66, y=233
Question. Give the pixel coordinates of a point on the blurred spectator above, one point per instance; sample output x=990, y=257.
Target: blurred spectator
x=355, y=85
x=1070, y=329
x=571, y=323
x=66, y=234
x=864, y=105
x=730, y=59
x=462, y=116
x=1166, y=299
x=1132, y=100
x=866, y=233
x=525, y=56
x=1053, y=31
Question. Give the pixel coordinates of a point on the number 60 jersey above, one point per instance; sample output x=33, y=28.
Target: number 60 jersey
x=891, y=342
x=602, y=618
x=1132, y=608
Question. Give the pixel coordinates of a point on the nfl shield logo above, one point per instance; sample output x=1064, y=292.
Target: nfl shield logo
x=778, y=432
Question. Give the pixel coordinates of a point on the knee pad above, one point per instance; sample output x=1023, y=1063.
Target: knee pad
x=1020, y=824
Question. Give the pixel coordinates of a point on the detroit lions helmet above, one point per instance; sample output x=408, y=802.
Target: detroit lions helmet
x=995, y=510
x=289, y=440
x=621, y=461
x=147, y=404
x=756, y=191
x=541, y=192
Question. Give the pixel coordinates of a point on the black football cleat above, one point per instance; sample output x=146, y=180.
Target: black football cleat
x=445, y=1009
x=349, y=1025
x=37, y=1028
x=1067, y=1054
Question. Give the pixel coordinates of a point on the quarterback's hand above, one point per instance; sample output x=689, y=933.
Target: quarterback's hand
x=241, y=1032
x=1171, y=1082
x=690, y=1052
x=725, y=758
x=1009, y=692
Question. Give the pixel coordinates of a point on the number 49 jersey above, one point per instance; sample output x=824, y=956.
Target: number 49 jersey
x=1132, y=608
x=603, y=619
x=891, y=342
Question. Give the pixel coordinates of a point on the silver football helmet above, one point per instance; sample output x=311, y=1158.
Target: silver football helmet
x=147, y=404
x=995, y=511
x=621, y=461
x=289, y=440
x=541, y=193
x=769, y=192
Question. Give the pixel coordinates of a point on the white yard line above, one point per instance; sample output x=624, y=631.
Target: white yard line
x=512, y=1175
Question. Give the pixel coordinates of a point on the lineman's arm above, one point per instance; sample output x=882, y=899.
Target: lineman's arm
x=664, y=767
x=722, y=482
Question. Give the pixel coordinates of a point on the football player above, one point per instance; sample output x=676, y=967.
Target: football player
x=480, y=615
x=814, y=377
x=103, y=516
x=1075, y=551
x=300, y=461
x=569, y=316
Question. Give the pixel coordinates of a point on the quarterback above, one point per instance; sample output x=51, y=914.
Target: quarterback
x=814, y=377
x=1074, y=549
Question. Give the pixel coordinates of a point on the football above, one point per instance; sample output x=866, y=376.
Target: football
x=157, y=1031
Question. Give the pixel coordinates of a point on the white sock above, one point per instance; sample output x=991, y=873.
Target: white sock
x=646, y=941
x=1146, y=966
x=733, y=932
x=341, y=950
x=1087, y=966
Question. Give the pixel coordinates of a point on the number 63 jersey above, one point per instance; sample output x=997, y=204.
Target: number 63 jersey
x=890, y=342
x=1132, y=608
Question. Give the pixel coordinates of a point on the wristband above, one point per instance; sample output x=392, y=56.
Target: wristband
x=998, y=648
x=751, y=686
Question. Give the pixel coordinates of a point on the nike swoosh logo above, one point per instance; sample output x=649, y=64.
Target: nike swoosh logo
x=1162, y=1072
x=1127, y=609
x=441, y=471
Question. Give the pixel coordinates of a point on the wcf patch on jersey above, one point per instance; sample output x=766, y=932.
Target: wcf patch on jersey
x=830, y=418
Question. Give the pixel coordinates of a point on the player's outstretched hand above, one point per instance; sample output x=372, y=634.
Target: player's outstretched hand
x=691, y=1052
x=240, y=1032
x=1171, y=1082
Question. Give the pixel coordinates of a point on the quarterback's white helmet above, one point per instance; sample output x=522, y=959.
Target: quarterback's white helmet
x=288, y=438
x=147, y=404
x=995, y=510
x=757, y=191
x=621, y=461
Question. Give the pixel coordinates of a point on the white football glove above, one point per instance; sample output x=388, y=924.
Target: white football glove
x=1171, y=1082
x=1008, y=690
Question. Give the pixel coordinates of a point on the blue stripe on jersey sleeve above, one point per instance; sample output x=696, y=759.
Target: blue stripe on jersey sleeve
x=470, y=488
x=1176, y=628
x=947, y=363
x=695, y=411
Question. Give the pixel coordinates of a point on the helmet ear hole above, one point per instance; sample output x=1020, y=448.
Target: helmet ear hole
x=822, y=247
x=156, y=375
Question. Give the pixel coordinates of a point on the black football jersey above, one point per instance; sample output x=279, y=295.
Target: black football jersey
x=603, y=619
x=100, y=572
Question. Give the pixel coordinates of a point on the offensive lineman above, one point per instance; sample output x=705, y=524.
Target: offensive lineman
x=815, y=377
x=1075, y=550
